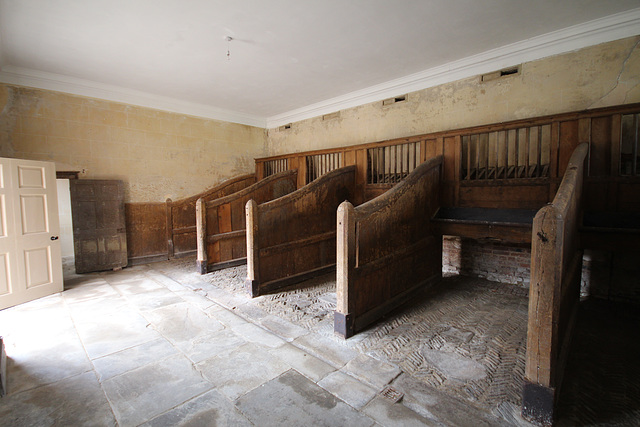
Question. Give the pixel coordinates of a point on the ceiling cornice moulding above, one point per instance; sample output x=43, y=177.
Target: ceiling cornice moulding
x=59, y=83
x=610, y=28
x=602, y=30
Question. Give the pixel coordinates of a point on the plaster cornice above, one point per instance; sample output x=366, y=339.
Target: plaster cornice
x=590, y=33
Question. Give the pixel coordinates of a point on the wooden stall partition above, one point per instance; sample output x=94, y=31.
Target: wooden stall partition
x=220, y=223
x=554, y=293
x=181, y=214
x=160, y=231
x=387, y=249
x=293, y=238
x=146, y=232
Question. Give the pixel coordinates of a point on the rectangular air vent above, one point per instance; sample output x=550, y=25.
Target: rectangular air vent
x=512, y=71
x=334, y=115
x=285, y=127
x=395, y=100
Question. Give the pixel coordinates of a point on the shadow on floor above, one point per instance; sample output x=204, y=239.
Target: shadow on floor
x=602, y=378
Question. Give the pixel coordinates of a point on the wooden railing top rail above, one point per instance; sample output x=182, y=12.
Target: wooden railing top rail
x=620, y=109
x=301, y=192
x=562, y=201
x=251, y=188
x=387, y=199
x=212, y=190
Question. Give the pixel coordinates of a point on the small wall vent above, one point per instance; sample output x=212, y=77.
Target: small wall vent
x=512, y=71
x=334, y=115
x=285, y=127
x=395, y=100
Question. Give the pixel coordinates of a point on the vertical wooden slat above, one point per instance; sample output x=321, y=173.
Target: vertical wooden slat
x=169, y=213
x=201, y=235
x=616, y=126
x=584, y=135
x=253, y=249
x=527, y=148
x=539, y=160
x=635, y=144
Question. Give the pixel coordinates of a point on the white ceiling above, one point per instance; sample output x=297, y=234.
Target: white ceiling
x=289, y=59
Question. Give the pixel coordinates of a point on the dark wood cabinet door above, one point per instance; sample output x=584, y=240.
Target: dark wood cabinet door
x=99, y=234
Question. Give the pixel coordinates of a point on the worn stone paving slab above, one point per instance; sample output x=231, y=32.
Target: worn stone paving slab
x=134, y=285
x=34, y=360
x=150, y=300
x=97, y=307
x=187, y=327
x=293, y=400
x=220, y=343
x=209, y=409
x=95, y=289
x=257, y=335
x=74, y=401
x=347, y=389
x=326, y=349
x=196, y=299
x=306, y=364
x=242, y=370
x=164, y=280
x=442, y=407
x=374, y=372
x=225, y=316
x=386, y=413
x=132, y=358
x=480, y=325
x=283, y=328
x=112, y=332
x=141, y=394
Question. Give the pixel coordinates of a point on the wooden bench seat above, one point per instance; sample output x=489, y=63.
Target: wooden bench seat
x=510, y=225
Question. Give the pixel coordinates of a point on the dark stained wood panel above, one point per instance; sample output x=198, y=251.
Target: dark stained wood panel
x=99, y=230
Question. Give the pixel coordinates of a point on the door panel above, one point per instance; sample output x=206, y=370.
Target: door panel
x=100, y=241
x=30, y=261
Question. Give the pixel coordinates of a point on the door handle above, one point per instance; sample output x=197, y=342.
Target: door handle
x=54, y=237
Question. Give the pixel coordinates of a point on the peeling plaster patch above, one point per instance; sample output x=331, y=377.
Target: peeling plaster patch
x=557, y=84
x=625, y=82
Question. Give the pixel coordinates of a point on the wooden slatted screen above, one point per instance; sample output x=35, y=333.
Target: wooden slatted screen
x=272, y=167
x=391, y=164
x=508, y=154
x=629, y=146
x=320, y=164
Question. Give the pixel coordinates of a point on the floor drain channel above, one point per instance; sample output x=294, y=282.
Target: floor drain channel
x=392, y=394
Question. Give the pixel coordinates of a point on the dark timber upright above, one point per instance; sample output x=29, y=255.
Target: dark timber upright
x=220, y=223
x=387, y=249
x=294, y=237
x=554, y=292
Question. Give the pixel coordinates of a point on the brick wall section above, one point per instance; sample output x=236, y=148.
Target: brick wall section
x=495, y=261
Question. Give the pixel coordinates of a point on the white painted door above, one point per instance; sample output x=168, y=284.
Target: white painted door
x=30, y=260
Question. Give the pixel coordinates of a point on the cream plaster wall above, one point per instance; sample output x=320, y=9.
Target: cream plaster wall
x=157, y=154
x=597, y=76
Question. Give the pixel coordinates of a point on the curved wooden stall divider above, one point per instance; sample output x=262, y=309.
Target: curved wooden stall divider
x=182, y=214
x=160, y=231
x=554, y=292
x=220, y=223
x=293, y=238
x=387, y=249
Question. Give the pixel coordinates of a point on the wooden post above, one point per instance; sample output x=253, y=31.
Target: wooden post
x=253, y=251
x=170, y=248
x=345, y=265
x=201, y=235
